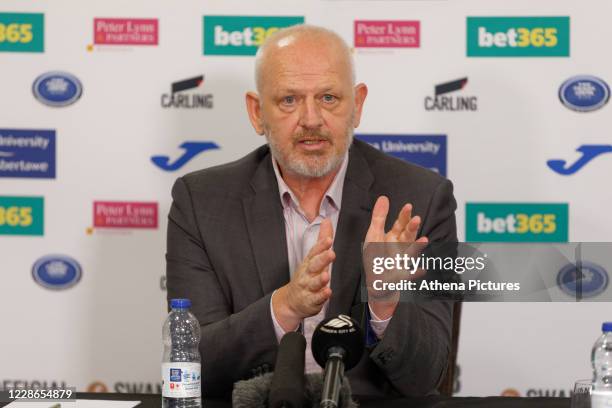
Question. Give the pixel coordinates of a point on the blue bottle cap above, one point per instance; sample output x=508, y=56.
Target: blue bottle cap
x=606, y=327
x=180, y=303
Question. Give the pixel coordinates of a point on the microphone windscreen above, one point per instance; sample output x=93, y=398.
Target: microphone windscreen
x=254, y=393
x=287, y=388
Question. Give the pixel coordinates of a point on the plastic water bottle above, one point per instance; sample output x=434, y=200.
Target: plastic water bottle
x=601, y=357
x=181, y=363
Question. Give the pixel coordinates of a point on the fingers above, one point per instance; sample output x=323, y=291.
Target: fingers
x=409, y=232
x=402, y=220
x=325, y=239
x=376, y=231
x=326, y=230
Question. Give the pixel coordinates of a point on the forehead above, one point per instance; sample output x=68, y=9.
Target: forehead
x=306, y=65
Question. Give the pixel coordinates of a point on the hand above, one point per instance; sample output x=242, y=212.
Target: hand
x=404, y=231
x=307, y=292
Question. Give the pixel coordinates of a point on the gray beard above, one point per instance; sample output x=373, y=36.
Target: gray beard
x=320, y=168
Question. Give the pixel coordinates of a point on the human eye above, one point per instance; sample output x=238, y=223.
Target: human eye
x=288, y=100
x=329, y=98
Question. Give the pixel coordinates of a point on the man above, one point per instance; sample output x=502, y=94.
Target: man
x=272, y=242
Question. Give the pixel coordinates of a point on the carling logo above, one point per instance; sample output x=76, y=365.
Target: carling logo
x=126, y=31
x=27, y=153
x=183, y=95
x=114, y=214
x=387, y=34
x=425, y=150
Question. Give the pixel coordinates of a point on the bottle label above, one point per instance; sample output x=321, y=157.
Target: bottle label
x=181, y=380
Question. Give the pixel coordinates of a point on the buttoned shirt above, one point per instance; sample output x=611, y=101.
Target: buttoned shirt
x=301, y=235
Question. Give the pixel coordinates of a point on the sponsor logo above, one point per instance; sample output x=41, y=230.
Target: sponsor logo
x=517, y=222
x=97, y=386
x=56, y=272
x=126, y=387
x=21, y=215
x=424, y=150
x=33, y=384
x=192, y=149
x=387, y=34
x=589, y=152
x=518, y=36
x=443, y=102
x=340, y=322
x=126, y=31
x=241, y=35
x=584, y=93
x=57, y=89
x=544, y=392
x=175, y=374
x=180, y=98
x=115, y=214
x=587, y=281
x=22, y=32
x=510, y=392
x=27, y=153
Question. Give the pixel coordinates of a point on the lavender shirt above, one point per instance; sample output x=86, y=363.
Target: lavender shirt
x=301, y=236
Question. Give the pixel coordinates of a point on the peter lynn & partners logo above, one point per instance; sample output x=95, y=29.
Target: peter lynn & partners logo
x=518, y=36
x=584, y=93
x=125, y=32
x=124, y=215
x=387, y=34
x=445, y=101
x=183, y=95
x=517, y=222
x=241, y=35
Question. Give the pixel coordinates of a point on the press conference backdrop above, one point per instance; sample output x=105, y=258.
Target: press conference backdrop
x=104, y=104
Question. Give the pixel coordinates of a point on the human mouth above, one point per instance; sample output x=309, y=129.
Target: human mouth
x=313, y=144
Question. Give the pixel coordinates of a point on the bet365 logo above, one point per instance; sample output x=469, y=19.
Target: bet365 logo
x=516, y=222
x=21, y=215
x=22, y=32
x=518, y=36
x=241, y=35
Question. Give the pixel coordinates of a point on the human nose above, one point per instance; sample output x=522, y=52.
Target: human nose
x=310, y=114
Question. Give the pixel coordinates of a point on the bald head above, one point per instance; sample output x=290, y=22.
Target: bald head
x=288, y=44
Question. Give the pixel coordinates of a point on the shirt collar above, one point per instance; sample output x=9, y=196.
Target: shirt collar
x=333, y=193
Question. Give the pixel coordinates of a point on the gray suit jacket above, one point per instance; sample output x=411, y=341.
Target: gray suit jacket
x=227, y=252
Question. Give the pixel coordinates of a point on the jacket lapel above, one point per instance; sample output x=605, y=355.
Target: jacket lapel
x=266, y=229
x=353, y=224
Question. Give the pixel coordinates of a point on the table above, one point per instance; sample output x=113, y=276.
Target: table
x=154, y=401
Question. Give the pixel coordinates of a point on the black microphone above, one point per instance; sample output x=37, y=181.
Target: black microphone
x=287, y=387
x=337, y=345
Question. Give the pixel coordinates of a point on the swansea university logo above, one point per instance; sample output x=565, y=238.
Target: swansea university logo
x=192, y=149
x=241, y=35
x=588, y=153
x=518, y=36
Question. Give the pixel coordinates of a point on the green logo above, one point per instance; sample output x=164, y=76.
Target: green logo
x=22, y=32
x=518, y=36
x=22, y=215
x=241, y=35
x=516, y=222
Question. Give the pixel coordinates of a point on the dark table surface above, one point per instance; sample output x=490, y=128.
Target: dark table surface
x=154, y=401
